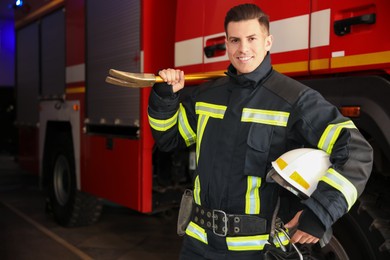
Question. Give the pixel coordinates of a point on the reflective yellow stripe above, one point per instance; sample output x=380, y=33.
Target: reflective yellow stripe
x=247, y=243
x=291, y=66
x=295, y=176
x=163, y=124
x=285, y=240
x=212, y=110
x=336, y=62
x=196, y=232
x=281, y=163
x=202, y=122
x=319, y=64
x=74, y=90
x=331, y=134
x=197, y=190
x=339, y=182
x=252, y=197
x=205, y=111
x=268, y=117
x=253, y=242
x=185, y=129
x=361, y=59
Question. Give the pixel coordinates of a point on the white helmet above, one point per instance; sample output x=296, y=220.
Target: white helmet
x=300, y=170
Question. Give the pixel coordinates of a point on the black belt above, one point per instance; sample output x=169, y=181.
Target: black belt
x=223, y=224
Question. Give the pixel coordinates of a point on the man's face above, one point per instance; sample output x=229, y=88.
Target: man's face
x=247, y=44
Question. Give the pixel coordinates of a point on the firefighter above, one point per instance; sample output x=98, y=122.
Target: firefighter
x=239, y=124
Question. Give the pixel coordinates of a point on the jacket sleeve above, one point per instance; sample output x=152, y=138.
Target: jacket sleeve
x=319, y=124
x=169, y=119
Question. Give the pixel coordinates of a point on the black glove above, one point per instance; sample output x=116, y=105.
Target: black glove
x=311, y=224
x=164, y=90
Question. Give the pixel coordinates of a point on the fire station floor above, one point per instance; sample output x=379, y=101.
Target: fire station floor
x=27, y=232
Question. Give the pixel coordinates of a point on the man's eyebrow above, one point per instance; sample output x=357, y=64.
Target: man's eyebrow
x=249, y=36
x=232, y=37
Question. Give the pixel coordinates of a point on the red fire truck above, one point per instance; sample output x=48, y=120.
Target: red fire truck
x=89, y=140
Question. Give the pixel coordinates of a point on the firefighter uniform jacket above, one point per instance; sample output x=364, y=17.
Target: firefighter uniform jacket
x=240, y=124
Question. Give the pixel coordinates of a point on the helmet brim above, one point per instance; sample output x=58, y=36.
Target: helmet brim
x=274, y=175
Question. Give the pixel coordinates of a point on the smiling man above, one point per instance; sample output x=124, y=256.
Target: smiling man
x=247, y=43
x=239, y=125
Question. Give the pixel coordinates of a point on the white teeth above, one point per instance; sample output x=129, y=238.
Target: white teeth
x=244, y=58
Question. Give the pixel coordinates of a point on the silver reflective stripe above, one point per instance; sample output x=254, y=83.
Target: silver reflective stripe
x=253, y=242
x=283, y=239
x=202, y=122
x=331, y=133
x=212, y=110
x=247, y=243
x=185, y=129
x=268, y=117
x=196, y=232
x=197, y=190
x=205, y=111
x=339, y=182
x=252, y=197
x=163, y=124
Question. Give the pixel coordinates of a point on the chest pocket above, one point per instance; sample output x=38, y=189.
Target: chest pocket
x=260, y=137
x=259, y=142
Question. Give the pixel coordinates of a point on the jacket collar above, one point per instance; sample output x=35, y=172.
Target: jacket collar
x=253, y=78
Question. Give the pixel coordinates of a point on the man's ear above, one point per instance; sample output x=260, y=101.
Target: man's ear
x=226, y=42
x=268, y=42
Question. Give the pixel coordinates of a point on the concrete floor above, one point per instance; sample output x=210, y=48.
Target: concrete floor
x=27, y=232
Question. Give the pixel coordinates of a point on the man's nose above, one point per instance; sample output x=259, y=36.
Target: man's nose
x=244, y=46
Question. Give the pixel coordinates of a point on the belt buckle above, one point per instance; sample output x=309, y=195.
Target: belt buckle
x=224, y=220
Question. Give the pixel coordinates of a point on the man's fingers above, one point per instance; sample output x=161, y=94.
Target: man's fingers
x=171, y=76
x=181, y=78
x=180, y=83
x=177, y=75
x=296, y=237
x=303, y=238
x=162, y=74
x=313, y=240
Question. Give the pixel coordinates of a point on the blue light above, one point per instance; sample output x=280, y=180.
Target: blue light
x=19, y=3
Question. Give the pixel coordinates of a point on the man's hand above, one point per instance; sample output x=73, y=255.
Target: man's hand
x=173, y=77
x=300, y=236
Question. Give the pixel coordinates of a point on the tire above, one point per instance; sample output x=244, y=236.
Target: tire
x=332, y=251
x=69, y=206
x=359, y=234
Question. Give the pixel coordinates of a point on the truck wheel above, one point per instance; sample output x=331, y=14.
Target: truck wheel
x=332, y=251
x=69, y=206
x=364, y=231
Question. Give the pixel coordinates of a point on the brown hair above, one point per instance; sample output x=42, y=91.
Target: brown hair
x=247, y=12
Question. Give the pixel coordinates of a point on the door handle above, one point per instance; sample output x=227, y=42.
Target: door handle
x=210, y=51
x=215, y=47
x=343, y=27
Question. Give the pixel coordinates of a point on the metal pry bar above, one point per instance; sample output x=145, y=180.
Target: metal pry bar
x=138, y=79
x=141, y=80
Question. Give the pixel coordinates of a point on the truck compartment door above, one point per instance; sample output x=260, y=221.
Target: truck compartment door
x=53, y=55
x=27, y=71
x=359, y=37
x=113, y=41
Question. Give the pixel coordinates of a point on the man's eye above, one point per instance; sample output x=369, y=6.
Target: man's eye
x=233, y=40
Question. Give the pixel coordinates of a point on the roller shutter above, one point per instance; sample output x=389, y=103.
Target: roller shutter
x=113, y=41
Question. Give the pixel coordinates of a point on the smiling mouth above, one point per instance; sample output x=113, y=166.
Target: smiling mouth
x=244, y=59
